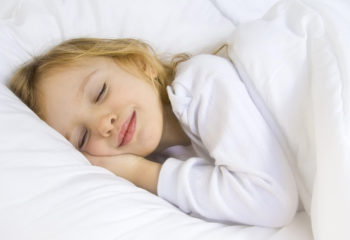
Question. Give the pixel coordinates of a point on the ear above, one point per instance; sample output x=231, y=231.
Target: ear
x=153, y=73
x=150, y=71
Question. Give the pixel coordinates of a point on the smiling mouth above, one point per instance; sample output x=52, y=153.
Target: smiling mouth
x=127, y=130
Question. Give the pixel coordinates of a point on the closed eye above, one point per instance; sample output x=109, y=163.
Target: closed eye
x=83, y=139
x=102, y=91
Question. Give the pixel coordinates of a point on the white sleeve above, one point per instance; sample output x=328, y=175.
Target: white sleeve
x=248, y=180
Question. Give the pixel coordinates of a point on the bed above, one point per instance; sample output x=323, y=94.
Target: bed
x=294, y=58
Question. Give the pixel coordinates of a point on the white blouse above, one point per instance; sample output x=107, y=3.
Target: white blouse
x=235, y=170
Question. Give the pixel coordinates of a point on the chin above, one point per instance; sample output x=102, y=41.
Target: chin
x=147, y=151
x=148, y=147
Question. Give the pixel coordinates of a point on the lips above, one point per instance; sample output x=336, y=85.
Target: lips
x=127, y=130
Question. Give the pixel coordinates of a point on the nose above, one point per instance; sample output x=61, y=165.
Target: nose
x=106, y=124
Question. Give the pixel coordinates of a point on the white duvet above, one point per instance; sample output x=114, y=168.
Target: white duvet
x=294, y=58
x=295, y=61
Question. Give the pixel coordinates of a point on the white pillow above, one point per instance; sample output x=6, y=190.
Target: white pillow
x=171, y=26
x=242, y=11
x=48, y=189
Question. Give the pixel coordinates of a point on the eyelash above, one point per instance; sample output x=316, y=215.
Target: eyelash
x=103, y=90
x=83, y=139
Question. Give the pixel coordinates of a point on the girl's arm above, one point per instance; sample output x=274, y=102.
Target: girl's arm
x=138, y=170
x=241, y=173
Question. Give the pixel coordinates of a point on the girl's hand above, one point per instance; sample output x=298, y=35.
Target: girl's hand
x=122, y=165
x=138, y=170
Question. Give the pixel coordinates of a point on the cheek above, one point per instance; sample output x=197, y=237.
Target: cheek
x=150, y=132
x=97, y=147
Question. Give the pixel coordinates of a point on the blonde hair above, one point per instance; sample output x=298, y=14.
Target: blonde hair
x=135, y=56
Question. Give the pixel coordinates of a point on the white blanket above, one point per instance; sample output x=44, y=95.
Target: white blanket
x=295, y=61
x=48, y=189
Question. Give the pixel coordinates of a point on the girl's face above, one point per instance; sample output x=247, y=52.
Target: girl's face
x=102, y=109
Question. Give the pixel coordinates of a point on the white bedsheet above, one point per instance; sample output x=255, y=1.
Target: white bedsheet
x=295, y=61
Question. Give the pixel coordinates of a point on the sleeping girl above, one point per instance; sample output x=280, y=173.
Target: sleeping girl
x=187, y=131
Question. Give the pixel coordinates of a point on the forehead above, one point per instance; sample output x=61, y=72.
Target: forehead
x=59, y=91
x=69, y=77
x=57, y=99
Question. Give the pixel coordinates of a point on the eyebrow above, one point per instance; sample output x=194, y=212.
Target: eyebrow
x=85, y=82
x=81, y=92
